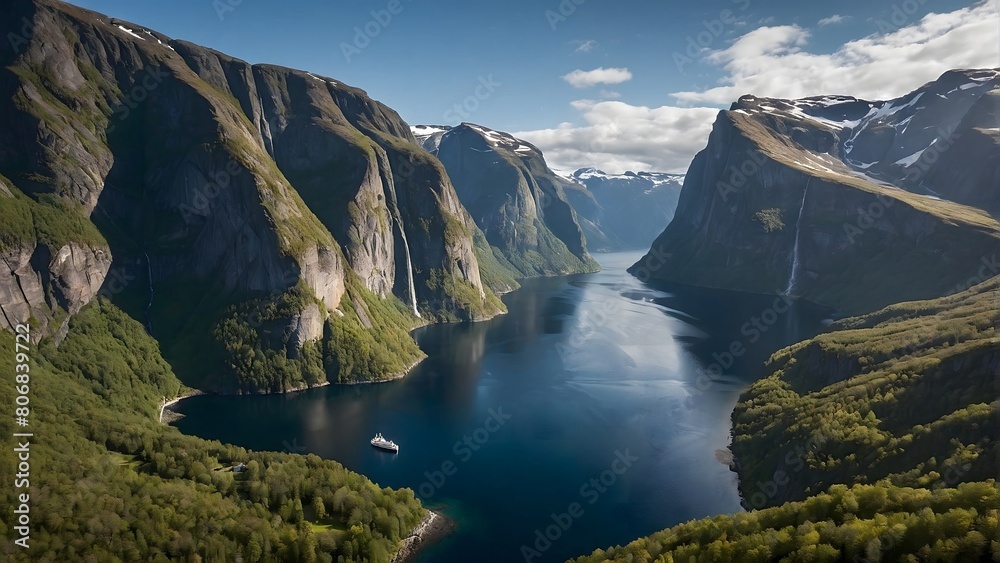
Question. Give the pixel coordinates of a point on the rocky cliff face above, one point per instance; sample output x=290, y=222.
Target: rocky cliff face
x=203, y=182
x=629, y=209
x=348, y=157
x=47, y=285
x=518, y=202
x=794, y=197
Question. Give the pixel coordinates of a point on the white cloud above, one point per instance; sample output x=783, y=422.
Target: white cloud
x=772, y=61
x=585, y=46
x=833, y=20
x=619, y=137
x=610, y=95
x=587, y=78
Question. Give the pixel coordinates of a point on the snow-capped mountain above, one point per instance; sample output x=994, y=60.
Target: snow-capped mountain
x=653, y=179
x=849, y=203
x=904, y=142
x=634, y=206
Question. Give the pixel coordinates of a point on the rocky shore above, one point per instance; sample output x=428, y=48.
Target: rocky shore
x=168, y=415
x=433, y=527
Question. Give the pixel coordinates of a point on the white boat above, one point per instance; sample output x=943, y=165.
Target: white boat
x=381, y=443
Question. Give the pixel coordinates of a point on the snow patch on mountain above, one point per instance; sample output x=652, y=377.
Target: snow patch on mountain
x=426, y=130
x=654, y=179
x=912, y=159
x=132, y=33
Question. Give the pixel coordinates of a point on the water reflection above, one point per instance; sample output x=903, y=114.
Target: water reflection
x=587, y=367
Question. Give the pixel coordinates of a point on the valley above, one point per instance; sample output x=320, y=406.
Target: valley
x=236, y=273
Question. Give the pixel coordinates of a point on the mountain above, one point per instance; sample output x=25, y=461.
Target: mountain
x=876, y=441
x=272, y=228
x=840, y=201
x=107, y=466
x=907, y=396
x=631, y=207
x=521, y=205
x=860, y=523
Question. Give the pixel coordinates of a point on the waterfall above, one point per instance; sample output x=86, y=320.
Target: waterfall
x=793, y=276
x=409, y=267
x=394, y=217
x=149, y=306
x=392, y=205
x=265, y=127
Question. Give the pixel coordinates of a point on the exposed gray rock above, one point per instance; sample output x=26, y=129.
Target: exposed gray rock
x=37, y=283
x=518, y=202
x=776, y=203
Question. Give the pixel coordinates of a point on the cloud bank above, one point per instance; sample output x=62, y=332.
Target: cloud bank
x=770, y=61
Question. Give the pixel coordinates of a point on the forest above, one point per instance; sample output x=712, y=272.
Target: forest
x=109, y=482
x=875, y=441
x=868, y=523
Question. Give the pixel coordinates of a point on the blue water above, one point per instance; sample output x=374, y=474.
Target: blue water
x=506, y=424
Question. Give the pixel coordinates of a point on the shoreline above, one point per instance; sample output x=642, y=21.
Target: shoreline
x=394, y=377
x=171, y=416
x=432, y=528
x=164, y=408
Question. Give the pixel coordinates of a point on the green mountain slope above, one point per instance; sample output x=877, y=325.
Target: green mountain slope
x=876, y=441
x=110, y=483
x=909, y=395
x=861, y=523
x=194, y=189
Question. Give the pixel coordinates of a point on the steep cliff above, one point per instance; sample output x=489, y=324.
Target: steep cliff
x=782, y=201
x=515, y=199
x=191, y=188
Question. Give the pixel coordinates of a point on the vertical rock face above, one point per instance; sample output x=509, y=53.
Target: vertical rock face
x=209, y=184
x=518, y=202
x=795, y=197
x=41, y=283
x=349, y=158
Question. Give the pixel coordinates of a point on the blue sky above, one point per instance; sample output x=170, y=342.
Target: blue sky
x=430, y=56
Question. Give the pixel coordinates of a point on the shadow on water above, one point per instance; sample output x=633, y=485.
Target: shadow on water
x=592, y=385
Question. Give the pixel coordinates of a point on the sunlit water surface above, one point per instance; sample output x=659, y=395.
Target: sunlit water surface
x=584, y=370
